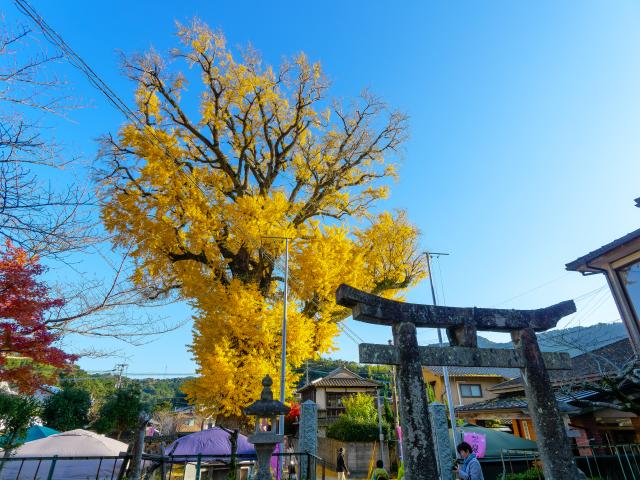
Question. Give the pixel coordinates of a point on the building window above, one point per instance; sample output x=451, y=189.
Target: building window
x=334, y=404
x=334, y=400
x=630, y=279
x=470, y=390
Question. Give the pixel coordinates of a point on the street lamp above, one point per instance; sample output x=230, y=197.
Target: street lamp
x=283, y=358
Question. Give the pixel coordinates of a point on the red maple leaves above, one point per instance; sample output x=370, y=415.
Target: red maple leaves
x=294, y=413
x=26, y=343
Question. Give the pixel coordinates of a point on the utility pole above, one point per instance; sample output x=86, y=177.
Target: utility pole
x=283, y=358
x=395, y=407
x=445, y=369
x=120, y=369
x=380, y=434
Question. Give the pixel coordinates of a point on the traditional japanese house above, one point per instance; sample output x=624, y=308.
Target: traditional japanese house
x=329, y=391
x=468, y=384
x=590, y=414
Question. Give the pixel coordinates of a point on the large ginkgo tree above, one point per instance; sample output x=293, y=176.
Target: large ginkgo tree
x=227, y=152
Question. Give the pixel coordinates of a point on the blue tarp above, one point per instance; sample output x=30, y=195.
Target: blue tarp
x=214, y=441
x=36, y=432
x=497, y=441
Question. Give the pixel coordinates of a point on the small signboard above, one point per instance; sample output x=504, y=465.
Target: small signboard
x=478, y=442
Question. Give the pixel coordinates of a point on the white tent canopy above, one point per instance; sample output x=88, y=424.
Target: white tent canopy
x=74, y=443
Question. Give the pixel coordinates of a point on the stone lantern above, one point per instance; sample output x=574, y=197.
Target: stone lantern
x=266, y=437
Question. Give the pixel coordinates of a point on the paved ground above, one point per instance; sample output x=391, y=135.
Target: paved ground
x=332, y=475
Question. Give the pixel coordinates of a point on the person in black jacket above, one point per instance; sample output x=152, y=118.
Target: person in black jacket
x=341, y=466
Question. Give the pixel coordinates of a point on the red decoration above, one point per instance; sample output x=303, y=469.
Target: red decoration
x=294, y=413
x=24, y=334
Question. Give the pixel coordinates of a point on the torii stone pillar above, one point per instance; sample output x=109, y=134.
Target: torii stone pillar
x=417, y=446
x=441, y=440
x=553, y=444
x=308, y=437
x=462, y=325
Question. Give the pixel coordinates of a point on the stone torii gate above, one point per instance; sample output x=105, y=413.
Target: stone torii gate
x=462, y=325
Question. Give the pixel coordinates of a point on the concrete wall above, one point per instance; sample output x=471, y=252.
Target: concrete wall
x=357, y=454
x=321, y=399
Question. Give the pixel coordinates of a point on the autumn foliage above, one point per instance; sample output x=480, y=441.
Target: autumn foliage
x=194, y=194
x=27, y=351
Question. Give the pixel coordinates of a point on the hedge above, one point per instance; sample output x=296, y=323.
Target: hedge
x=349, y=430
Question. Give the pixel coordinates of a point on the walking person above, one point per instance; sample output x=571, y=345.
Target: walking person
x=379, y=473
x=341, y=466
x=470, y=469
x=292, y=463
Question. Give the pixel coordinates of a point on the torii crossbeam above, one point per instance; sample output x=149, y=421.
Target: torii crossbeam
x=462, y=325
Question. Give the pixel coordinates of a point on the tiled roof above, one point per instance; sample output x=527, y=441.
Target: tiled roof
x=345, y=382
x=341, y=377
x=597, y=363
x=500, y=403
x=585, y=259
x=479, y=371
x=511, y=403
x=579, y=395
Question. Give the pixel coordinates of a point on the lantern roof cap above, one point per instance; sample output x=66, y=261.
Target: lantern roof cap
x=266, y=406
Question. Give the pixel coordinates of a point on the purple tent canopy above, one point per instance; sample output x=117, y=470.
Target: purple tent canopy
x=214, y=441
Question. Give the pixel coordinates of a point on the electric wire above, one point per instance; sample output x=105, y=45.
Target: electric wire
x=531, y=290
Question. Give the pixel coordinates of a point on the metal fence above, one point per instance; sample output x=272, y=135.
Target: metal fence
x=597, y=461
x=286, y=466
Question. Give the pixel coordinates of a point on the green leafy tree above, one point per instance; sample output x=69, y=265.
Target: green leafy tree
x=156, y=394
x=17, y=414
x=67, y=409
x=121, y=411
x=99, y=387
x=431, y=393
x=387, y=412
x=360, y=407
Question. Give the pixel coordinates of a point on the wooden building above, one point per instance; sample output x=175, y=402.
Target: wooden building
x=619, y=261
x=468, y=384
x=585, y=411
x=328, y=393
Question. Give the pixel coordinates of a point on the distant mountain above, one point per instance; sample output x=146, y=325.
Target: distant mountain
x=574, y=340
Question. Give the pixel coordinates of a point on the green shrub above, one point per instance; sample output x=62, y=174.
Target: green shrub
x=359, y=423
x=68, y=409
x=351, y=430
x=533, y=473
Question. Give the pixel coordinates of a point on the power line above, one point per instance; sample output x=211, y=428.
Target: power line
x=589, y=293
x=347, y=333
x=531, y=290
x=604, y=297
x=352, y=332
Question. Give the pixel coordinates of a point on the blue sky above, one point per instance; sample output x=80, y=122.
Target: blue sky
x=524, y=121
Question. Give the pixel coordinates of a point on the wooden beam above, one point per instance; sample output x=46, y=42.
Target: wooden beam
x=461, y=357
x=382, y=311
